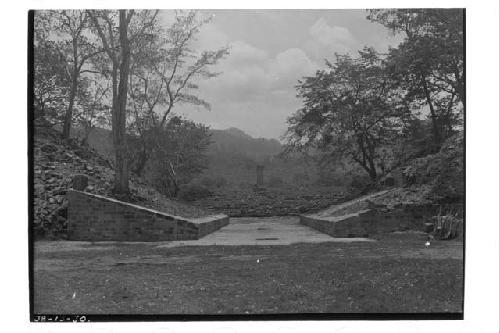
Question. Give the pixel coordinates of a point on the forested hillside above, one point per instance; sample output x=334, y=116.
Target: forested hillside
x=233, y=157
x=114, y=80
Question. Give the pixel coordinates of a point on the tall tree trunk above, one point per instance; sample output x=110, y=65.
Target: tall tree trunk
x=119, y=138
x=68, y=117
x=435, y=128
x=373, y=169
x=366, y=162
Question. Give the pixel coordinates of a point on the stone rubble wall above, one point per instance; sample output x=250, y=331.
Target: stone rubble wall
x=94, y=217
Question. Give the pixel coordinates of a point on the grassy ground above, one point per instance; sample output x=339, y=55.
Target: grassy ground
x=396, y=274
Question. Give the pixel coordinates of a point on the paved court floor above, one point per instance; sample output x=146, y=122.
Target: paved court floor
x=278, y=230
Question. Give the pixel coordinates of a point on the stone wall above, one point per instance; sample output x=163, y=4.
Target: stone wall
x=376, y=221
x=97, y=218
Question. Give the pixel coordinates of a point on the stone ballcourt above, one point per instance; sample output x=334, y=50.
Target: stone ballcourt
x=96, y=218
x=278, y=230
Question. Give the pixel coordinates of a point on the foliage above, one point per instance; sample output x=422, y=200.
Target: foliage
x=448, y=226
x=94, y=111
x=429, y=63
x=382, y=111
x=351, y=109
x=50, y=84
x=178, y=156
x=164, y=72
x=121, y=68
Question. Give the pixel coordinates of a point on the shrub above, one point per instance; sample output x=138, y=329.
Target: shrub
x=193, y=191
x=448, y=226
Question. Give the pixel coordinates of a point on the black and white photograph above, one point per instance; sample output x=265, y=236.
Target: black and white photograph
x=186, y=164
x=268, y=165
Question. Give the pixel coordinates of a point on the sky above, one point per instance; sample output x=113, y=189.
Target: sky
x=270, y=50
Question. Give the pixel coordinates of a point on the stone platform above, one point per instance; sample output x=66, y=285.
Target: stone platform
x=93, y=217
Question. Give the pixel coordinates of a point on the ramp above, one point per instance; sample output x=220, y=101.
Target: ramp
x=93, y=217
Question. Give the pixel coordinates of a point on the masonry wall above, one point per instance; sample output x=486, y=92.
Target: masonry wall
x=97, y=218
x=375, y=221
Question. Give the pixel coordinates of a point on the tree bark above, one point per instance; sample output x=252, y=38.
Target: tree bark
x=435, y=128
x=120, y=112
x=367, y=162
x=68, y=117
x=373, y=170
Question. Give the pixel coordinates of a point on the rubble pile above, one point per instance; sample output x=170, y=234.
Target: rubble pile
x=56, y=163
x=268, y=202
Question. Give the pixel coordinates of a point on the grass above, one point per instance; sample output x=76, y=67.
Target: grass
x=300, y=278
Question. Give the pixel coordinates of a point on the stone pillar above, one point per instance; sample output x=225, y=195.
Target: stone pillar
x=260, y=176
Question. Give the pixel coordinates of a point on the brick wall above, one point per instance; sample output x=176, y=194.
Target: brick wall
x=96, y=218
x=375, y=221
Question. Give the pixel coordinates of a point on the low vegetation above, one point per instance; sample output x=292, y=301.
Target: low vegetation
x=397, y=274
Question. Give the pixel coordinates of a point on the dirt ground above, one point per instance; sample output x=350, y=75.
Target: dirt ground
x=397, y=272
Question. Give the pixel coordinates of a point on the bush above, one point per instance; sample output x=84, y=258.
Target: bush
x=193, y=191
x=448, y=227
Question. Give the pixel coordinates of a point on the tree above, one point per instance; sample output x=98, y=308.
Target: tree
x=166, y=77
x=351, y=109
x=94, y=110
x=181, y=155
x=71, y=28
x=50, y=79
x=429, y=62
x=117, y=43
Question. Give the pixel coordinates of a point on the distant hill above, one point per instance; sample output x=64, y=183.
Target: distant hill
x=233, y=155
x=234, y=140
x=228, y=141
